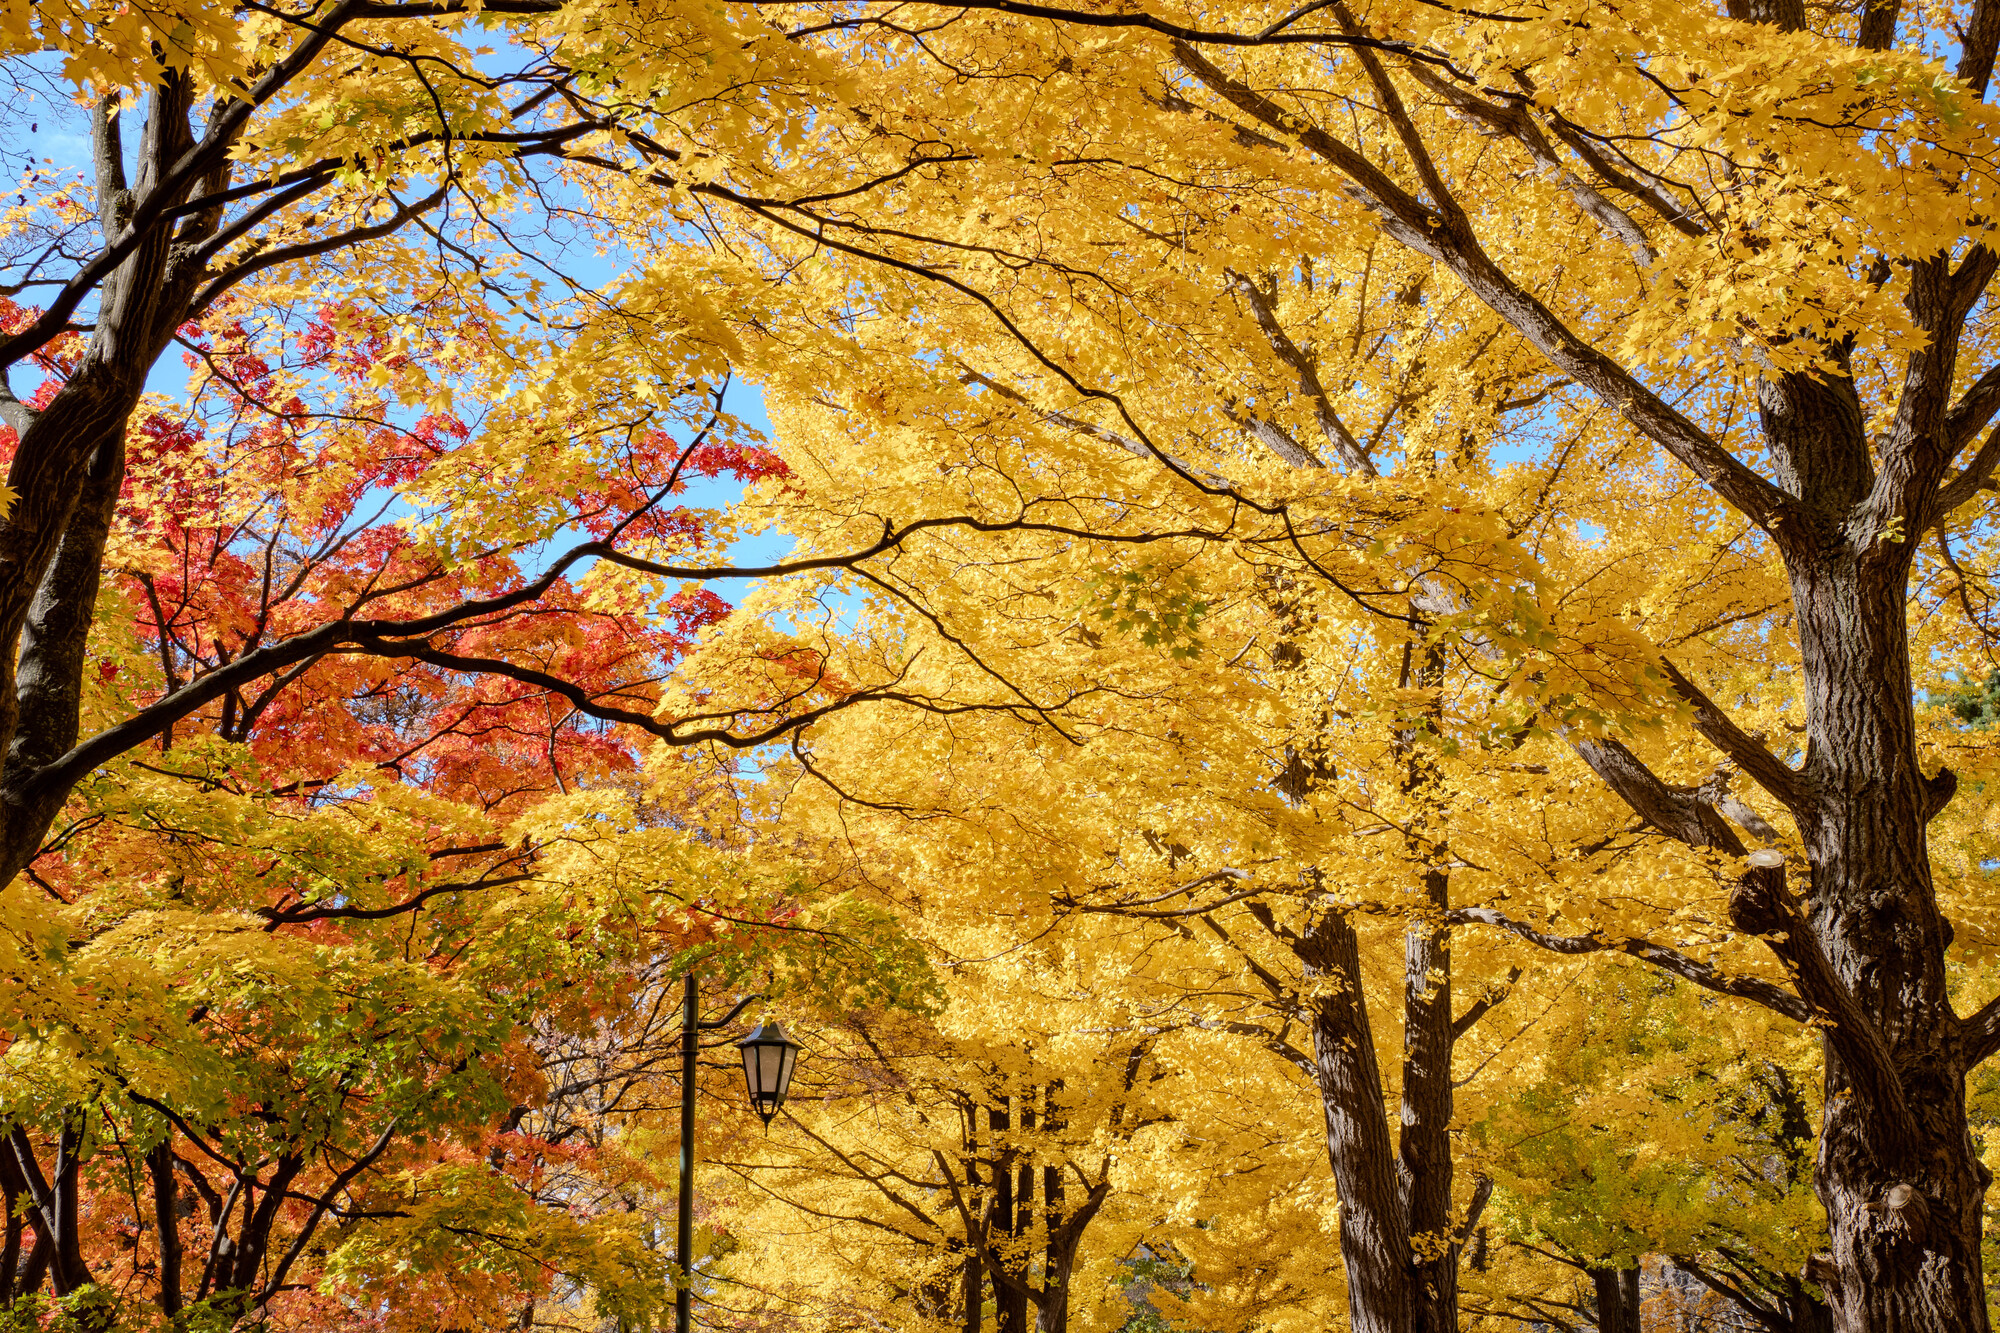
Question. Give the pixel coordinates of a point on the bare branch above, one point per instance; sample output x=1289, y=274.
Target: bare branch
x=1430, y=232
x=1768, y=771
x=1775, y=998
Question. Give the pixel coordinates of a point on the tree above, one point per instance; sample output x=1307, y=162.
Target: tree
x=1643, y=1136
x=1826, y=270
x=1271, y=803
x=942, y=1176
x=343, y=174
x=293, y=663
x=1254, y=710
x=1157, y=253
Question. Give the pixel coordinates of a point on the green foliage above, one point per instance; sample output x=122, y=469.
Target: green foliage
x=1644, y=1136
x=1975, y=704
x=1150, y=1268
x=1161, y=607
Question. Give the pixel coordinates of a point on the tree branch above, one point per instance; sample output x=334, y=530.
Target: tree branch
x=1775, y=998
x=1789, y=786
x=1980, y=1033
x=1678, y=812
x=1428, y=232
x=1485, y=1004
x=1977, y=43
x=1975, y=476
x=325, y=1201
x=275, y=917
x=1352, y=454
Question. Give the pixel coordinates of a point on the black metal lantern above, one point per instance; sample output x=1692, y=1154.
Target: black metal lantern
x=768, y=1056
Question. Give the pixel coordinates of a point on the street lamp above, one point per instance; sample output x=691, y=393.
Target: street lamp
x=768, y=1057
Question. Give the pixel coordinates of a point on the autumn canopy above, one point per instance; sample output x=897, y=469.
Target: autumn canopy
x=1340, y=660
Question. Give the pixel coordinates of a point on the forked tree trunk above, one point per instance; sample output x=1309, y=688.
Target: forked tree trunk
x=1618, y=1306
x=1401, y=1240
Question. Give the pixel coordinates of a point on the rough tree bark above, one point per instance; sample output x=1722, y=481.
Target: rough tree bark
x=1401, y=1240
x=1866, y=949
x=1617, y=1293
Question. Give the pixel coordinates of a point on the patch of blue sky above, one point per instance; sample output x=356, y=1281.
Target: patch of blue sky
x=43, y=129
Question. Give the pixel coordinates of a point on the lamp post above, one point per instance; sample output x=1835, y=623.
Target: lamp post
x=768, y=1057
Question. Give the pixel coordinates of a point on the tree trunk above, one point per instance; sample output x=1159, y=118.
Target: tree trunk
x=1059, y=1239
x=67, y=467
x=1010, y=1307
x=167, y=1225
x=1902, y=1186
x=1423, y=1163
x=1010, y=1299
x=1374, y=1229
x=1052, y=1310
x=10, y=1246
x=1809, y=1314
x=1399, y=1234
x=972, y=1293
x=1617, y=1292
x=1423, y=1160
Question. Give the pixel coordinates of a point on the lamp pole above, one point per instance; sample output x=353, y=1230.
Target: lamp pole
x=768, y=1082
x=684, y=1228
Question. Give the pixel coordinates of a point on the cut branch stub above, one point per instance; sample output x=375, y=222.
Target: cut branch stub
x=1757, y=901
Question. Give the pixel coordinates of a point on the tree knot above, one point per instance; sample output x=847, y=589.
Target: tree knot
x=1903, y=1211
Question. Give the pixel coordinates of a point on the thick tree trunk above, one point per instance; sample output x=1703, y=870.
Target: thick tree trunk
x=67, y=467
x=1423, y=1160
x=1052, y=1310
x=1010, y=1307
x=1617, y=1291
x=53, y=646
x=1902, y=1186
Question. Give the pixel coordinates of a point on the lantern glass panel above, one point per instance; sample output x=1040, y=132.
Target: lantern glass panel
x=769, y=1055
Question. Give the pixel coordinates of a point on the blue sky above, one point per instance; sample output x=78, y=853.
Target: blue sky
x=40, y=128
